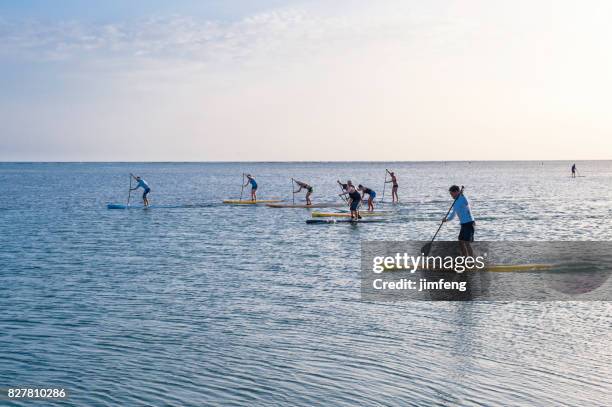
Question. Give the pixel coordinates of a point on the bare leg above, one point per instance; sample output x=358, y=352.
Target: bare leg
x=466, y=248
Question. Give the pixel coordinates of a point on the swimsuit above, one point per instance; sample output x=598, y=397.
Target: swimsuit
x=370, y=192
x=466, y=233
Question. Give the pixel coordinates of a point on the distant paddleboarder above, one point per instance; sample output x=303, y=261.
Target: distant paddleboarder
x=394, y=197
x=371, y=195
x=141, y=183
x=461, y=208
x=574, y=170
x=251, y=180
x=308, y=189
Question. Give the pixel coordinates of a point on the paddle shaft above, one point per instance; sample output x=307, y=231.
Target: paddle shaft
x=130, y=191
x=344, y=198
x=292, y=191
x=449, y=211
x=242, y=186
x=382, y=201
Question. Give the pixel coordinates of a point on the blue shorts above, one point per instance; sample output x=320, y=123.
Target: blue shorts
x=466, y=233
x=373, y=195
x=145, y=193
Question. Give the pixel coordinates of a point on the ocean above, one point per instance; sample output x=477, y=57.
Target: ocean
x=194, y=302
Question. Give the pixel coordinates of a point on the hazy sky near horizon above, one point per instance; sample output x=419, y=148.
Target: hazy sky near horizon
x=151, y=80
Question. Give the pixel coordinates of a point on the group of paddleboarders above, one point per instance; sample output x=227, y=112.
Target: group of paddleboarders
x=355, y=195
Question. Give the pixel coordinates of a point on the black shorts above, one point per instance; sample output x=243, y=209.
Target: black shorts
x=145, y=193
x=466, y=233
x=355, y=205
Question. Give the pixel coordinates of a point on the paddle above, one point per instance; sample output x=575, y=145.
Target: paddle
x=292, y=191
x=130, y=190
x=344, y=198
x=427, y=248
x=242, y=186
x=382, y=201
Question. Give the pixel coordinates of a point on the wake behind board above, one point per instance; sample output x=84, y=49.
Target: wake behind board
x=315, y=205
x=249, y=202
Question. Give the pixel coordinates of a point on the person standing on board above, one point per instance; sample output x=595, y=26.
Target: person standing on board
x=394, y=197
x=461, y=208
x=308, y=189
x=354, y=199
x=344, y=187
x=141, y=183
x=251, y=180
x=371, y=195
x=574, y=170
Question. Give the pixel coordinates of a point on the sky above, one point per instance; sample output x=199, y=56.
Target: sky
x=269, y=80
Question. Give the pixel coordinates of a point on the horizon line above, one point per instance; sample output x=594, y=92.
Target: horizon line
x=291, y=161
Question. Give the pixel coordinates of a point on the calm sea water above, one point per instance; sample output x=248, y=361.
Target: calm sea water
x=201, y=303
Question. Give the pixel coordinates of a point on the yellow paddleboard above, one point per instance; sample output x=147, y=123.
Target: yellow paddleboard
x=346, y=214
x=519, y=267
x=315, y=205
x=249, y=202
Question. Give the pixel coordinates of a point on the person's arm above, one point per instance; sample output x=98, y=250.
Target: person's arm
x=295, y=192
x=450, y=216
x=459, y=202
